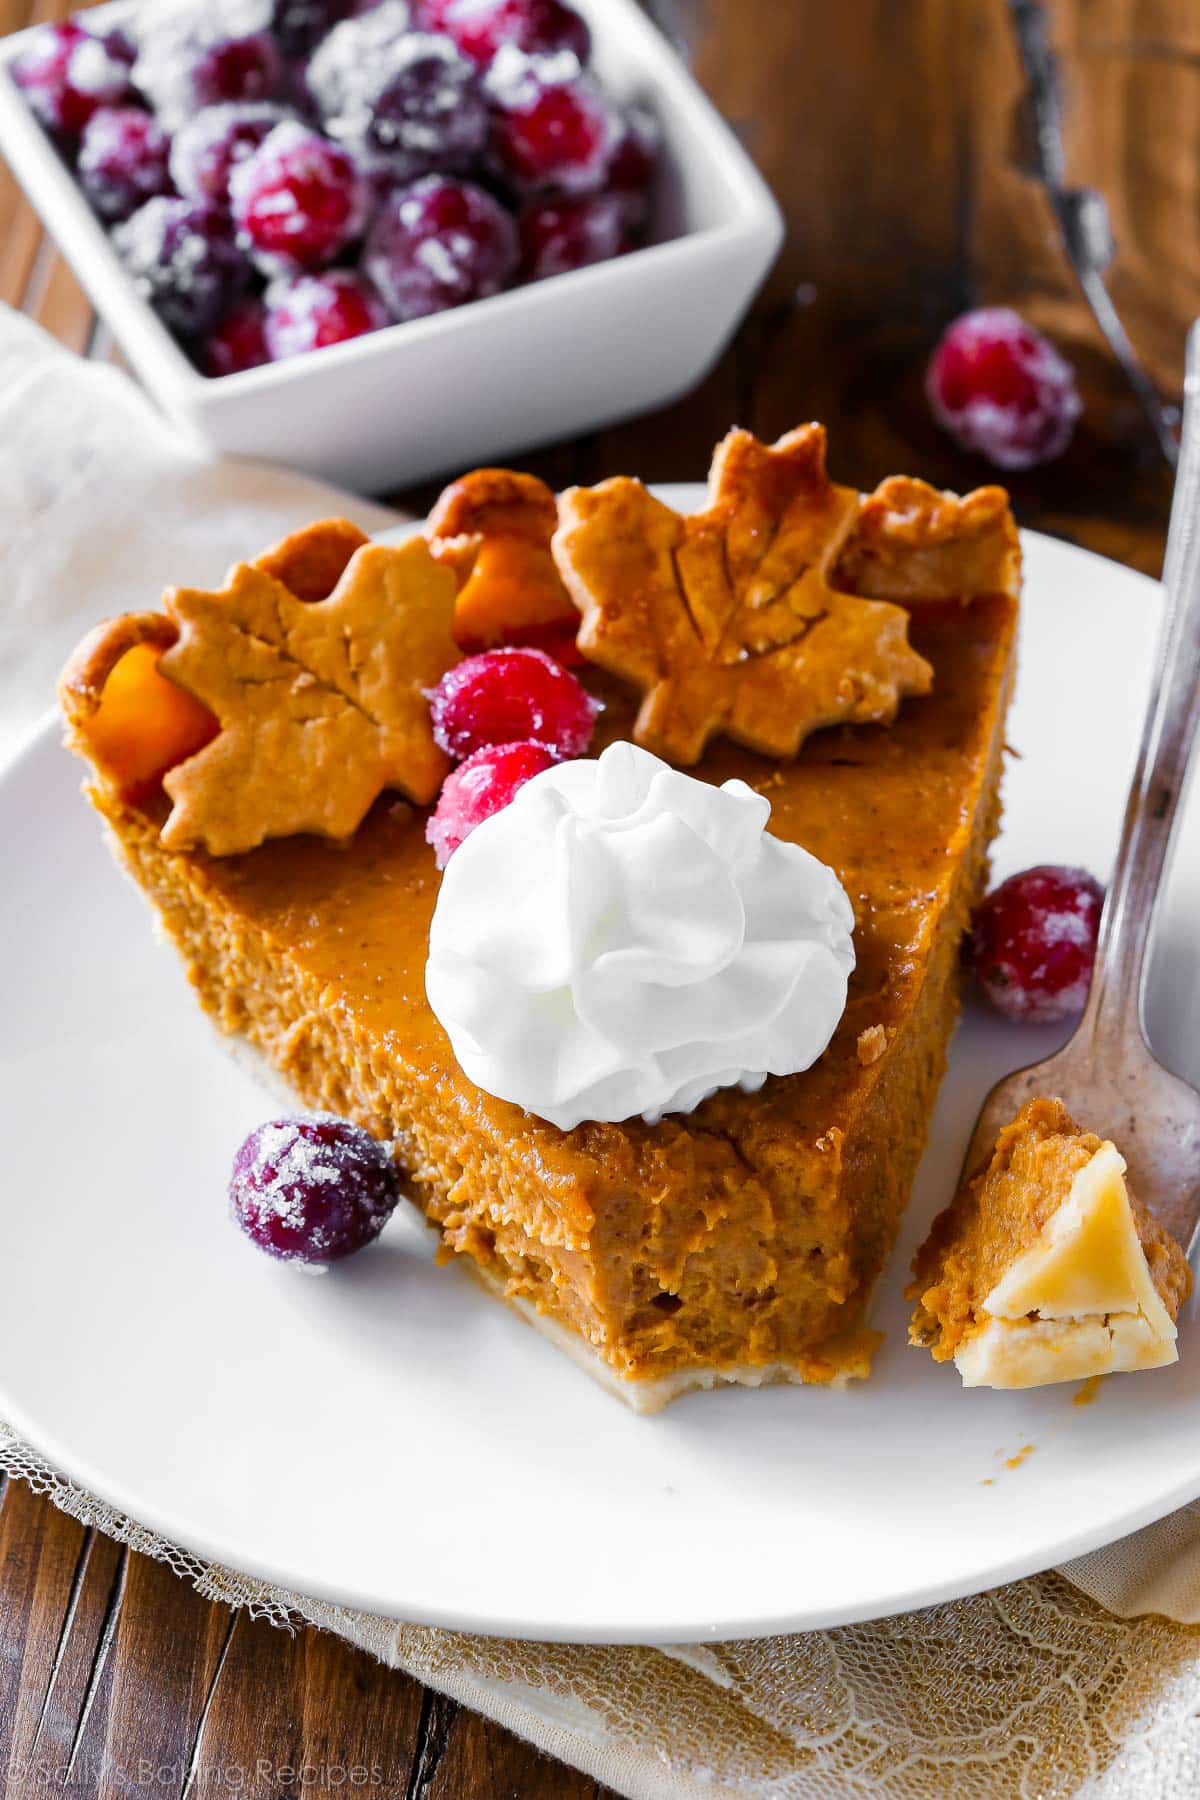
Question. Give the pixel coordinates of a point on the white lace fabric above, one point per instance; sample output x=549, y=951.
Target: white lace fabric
x=1029, y=1692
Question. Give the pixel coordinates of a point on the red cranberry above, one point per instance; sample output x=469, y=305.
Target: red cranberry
x=479, y=787
x=238, y=342
x=299, y=25
x=123, y=160
x=193, y=61
x=344, y=62
x=559, y=235
x=67, y=73
x=1033, y=942
x=1000, y=388
x=551, y=126
x=298, y=200
x=307, y=312
x=438, y=243
x=506, y=695
x=183, y=261
x=207, y=147
x=480, y=27
x=312, y=1190
x=418, y=108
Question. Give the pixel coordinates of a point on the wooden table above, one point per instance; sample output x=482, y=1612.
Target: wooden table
x=891, y=130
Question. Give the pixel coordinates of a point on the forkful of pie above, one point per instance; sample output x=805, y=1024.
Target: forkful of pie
x=1062, y=1256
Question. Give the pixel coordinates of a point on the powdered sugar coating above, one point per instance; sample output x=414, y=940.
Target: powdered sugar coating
x=208, y=146
x=552, y=128
x=202, y=58
x=417, y=106
x=312, y=1190
x=438, y=243
x=1000, y=388
x=336, y=67
x=297, y=200
x=183, y=261
x=1032, y=943
x=479, y=787
x=310, y=312
x=123, y=160
x=67, y=72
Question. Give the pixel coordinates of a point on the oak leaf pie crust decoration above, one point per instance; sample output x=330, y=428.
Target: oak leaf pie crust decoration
x=770, y=614
x=315, y=660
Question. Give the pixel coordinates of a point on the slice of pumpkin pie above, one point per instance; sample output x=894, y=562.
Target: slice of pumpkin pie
x=262, y=757
x=1047, y=1267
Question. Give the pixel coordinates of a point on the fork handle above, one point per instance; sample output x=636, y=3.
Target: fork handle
x=1115, y=1000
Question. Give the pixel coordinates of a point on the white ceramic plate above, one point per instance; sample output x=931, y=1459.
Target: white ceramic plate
x=389, y=1436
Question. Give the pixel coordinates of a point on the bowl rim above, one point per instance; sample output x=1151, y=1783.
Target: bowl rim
x=754, y=218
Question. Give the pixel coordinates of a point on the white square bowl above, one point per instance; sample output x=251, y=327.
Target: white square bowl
x=555, y=359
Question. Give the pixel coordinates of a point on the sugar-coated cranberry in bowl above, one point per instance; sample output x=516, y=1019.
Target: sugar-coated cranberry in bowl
x=312, y=1190
x=1032, y=943
x=298, y=200
x=560, y=235
x=123, y=161
x=502, y=696
x=552, y=127
x=438, y=243
x=68, y=72
x=1002, y=389
x=417, y=108
x=204, y=56
x=239, y=342
x=205, y=151
x=310, y=312
x=183, y=262
x=481, y=27
x=479, y=787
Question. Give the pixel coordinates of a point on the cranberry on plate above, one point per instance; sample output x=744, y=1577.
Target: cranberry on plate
x=416, y=108
x=182, y=259
x=207, y=147
x=480, y=27
x=122, y=160
x=238, y=342
x=479, y=787
x=308, y=312
x=552, y=128
x=297, y=200
x=507, y=695
x=1000, y=388
x=438, y=243
x=1032, y=943
x=312, y=1190
x=67, y=73
x=201, y=58
x=560, y=235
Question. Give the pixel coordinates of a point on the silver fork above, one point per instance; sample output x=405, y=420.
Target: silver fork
x=1107, y=1076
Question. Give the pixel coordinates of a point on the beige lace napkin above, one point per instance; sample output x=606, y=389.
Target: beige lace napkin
x=1030, y=1691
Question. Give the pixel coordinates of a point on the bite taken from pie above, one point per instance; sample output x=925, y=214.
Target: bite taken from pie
x=607, y=864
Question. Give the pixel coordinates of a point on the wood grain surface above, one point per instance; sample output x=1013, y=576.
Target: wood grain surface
x=894, y=133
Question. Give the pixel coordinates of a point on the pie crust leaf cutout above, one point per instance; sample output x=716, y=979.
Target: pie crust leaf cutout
x=321, y=703
x=912, y=542
x=493, y=528
x=730, y=620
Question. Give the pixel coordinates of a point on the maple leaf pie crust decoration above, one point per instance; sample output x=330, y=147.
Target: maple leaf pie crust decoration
x=767, y=616
x=315, y=661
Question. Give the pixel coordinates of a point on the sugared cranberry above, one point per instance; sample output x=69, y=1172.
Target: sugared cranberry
x=631, y=170
x=506, y=695
x=551, y=128
x=345, y=61
x=420, y=107
x=1002, y=389
x=298, y=200
x=480, y=27
x=1033, y=942
x=193, y=60
x=123, y=160
x=559, y=235
x=67, y=73
x=438, y=243
x=479, y=787
x=238, y=342
x=299, y=25
x=307, y=312
x=207, y=147
x=312, y=1190
x=183, y=261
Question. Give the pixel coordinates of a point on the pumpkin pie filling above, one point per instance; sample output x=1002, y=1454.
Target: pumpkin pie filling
x=738, y=1242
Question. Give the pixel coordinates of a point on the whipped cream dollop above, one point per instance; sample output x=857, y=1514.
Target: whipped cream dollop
x=625, y=939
